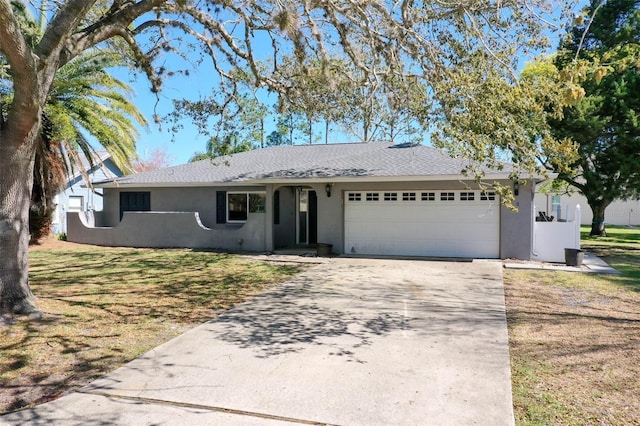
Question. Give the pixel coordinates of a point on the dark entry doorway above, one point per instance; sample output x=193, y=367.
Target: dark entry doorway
x=307, y=217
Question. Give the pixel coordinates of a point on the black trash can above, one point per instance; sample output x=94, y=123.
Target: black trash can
x=324, y=250
x=573, y=257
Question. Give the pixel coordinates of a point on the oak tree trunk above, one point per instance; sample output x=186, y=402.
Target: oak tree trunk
x=597, y=224
x=16, y=178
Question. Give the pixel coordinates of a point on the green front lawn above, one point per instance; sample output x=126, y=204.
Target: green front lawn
x=620, y=248
x=105, y=306
x=619, y=237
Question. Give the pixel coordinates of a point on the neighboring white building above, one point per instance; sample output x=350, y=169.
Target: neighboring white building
x=77, y=196
x=560, y=207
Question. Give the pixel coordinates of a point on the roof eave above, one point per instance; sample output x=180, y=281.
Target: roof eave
x=307, y=180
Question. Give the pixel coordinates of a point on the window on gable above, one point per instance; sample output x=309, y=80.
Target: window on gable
x=408, y=196
x=447, y=196
x=391, y=196
x=467, y=196
x=354, y=196
x=373, y=196
x=487, y=196
x=428, y=196
x=76, y=203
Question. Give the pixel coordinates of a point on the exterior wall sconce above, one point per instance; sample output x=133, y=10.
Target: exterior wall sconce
x=327, y=188
x=516, y=187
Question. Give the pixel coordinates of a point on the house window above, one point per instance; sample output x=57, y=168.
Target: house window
x=467, y=196
x=428, y=196
x=257, y=202
x=76, y=203
x=373, y=196
x=447, y=196
x=555, y=206
x=134, y=202
x=487, y=196
x=237, y=206
x=408, y=196
x=355, y=196
x=390, y=196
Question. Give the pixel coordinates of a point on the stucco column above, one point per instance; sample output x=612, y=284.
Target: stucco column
x=268, y=218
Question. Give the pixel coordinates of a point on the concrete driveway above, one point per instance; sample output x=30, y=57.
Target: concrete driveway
x=348, y=342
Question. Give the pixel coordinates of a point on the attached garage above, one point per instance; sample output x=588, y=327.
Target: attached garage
x=422, y=223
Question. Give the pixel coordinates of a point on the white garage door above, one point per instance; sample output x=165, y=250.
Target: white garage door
x=423, y=223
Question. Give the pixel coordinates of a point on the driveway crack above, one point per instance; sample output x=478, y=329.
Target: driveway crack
x=208, y=408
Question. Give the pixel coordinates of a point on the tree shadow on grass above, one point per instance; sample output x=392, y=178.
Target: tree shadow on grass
x=33, y=351
x=98, y=300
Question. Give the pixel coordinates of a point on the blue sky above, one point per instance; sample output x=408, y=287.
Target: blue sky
x=182, y=145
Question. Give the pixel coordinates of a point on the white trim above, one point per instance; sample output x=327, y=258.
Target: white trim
x=247, y=193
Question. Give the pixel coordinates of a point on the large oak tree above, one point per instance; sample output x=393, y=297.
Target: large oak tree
x=603, y=52
x=382, y=39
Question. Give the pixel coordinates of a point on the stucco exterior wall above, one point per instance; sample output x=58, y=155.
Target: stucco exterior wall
x=174, y=199
x=516, y=228
x=169, y=229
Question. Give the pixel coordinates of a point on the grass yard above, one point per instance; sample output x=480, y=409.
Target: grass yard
x=575, y=339
x=105, y=306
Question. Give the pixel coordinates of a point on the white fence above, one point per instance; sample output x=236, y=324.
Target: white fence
x=551, y=238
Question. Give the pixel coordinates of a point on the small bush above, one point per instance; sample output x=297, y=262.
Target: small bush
x=62, y=236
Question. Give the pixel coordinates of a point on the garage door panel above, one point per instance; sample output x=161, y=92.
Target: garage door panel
x=436, y=228
x=396, y=213
x=430, y=247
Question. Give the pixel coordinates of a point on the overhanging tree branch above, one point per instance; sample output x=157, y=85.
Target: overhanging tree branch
x=64, y=23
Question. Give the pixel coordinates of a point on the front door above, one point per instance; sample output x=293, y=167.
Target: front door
x=307, y=217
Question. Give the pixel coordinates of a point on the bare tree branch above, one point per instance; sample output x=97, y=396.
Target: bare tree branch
x=64, y=23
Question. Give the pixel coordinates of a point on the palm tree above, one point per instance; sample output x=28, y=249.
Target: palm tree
x=86, y=102
x=218, y=147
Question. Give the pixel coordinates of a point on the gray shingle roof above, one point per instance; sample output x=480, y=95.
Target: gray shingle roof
x=347, y=161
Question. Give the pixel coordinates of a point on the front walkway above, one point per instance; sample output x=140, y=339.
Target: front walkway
x=592, y=264
x=348, y=342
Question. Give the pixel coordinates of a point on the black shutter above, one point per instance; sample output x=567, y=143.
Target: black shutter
x=134, y=202
x=276, y=208
x=221, y=206
x=313, y=217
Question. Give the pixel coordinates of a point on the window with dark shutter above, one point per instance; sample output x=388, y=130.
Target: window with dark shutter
x=134, y=202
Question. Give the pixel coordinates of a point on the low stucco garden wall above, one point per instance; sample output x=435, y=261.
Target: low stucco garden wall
x=167, y=229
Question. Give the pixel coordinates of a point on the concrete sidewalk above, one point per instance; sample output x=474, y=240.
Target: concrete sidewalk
x=348, y=342
x=591, y=264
